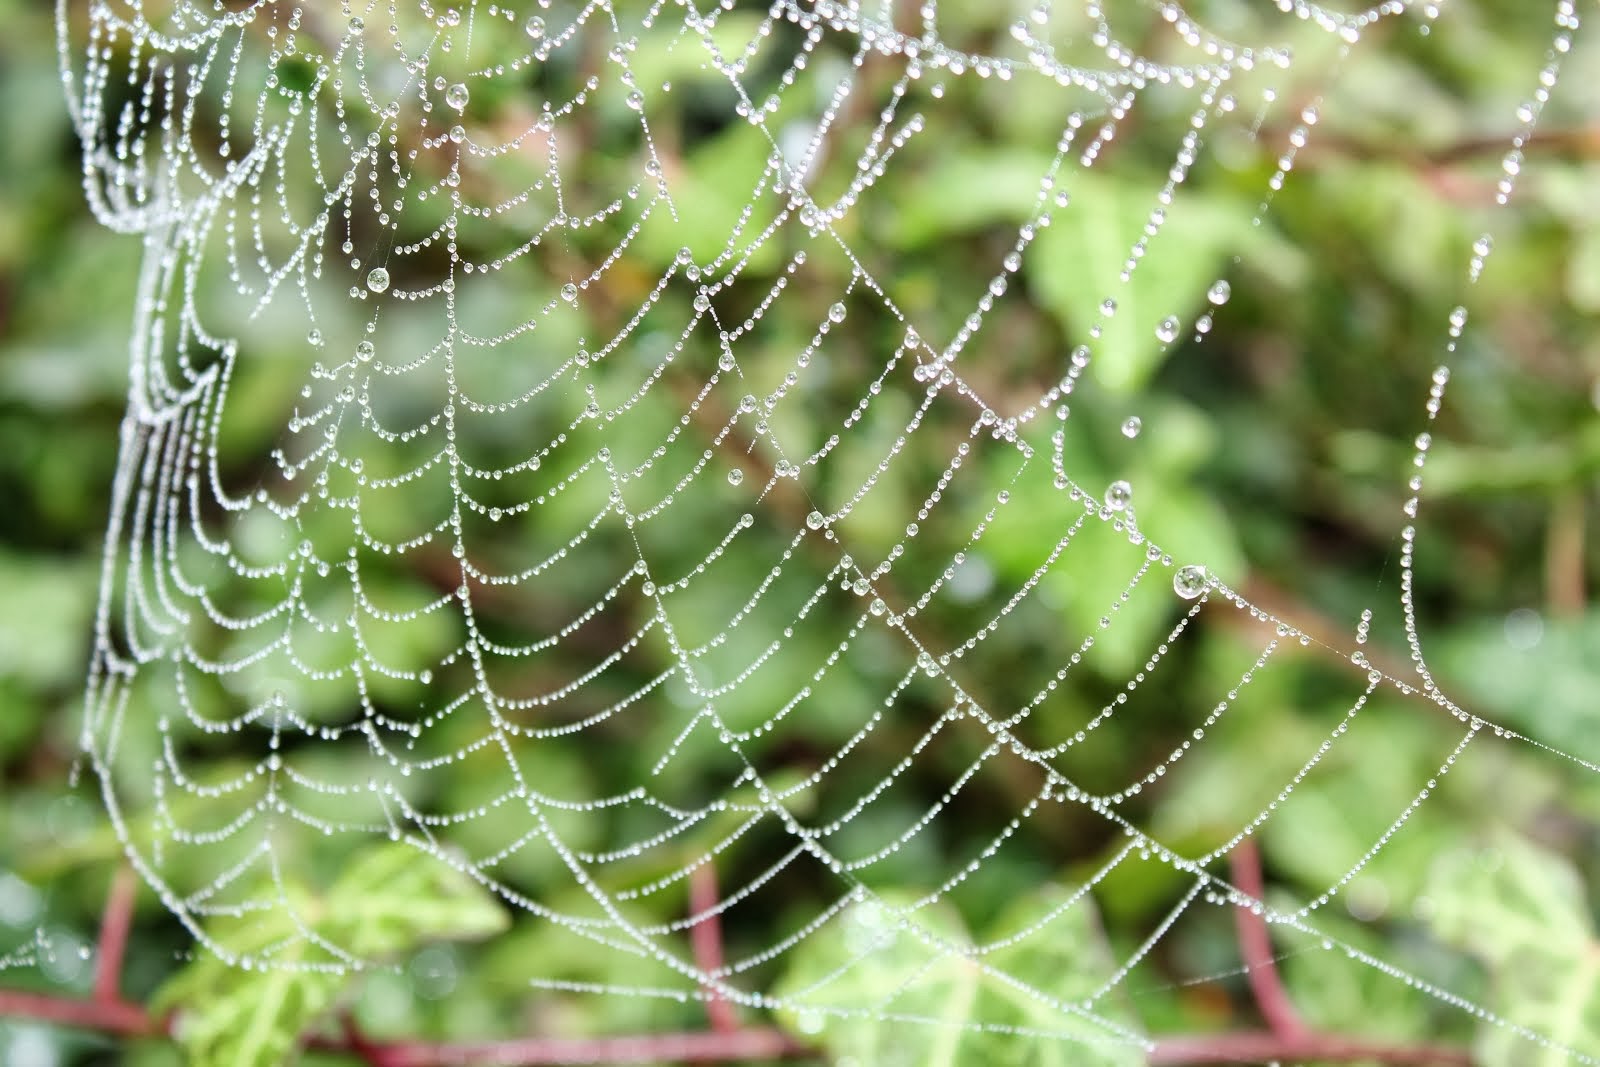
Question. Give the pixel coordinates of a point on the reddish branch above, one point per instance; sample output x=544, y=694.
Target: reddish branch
x=1565, y=546
x=706, y=1047
x=104, y=1010
x=115, y=1017
x=1577, y=142
x=705, y=937
x=1287, y=1038
x=113, y=940
x=1255, y=945
x=1267, y=1047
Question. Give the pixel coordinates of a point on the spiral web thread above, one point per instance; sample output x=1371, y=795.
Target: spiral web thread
x=330, y=173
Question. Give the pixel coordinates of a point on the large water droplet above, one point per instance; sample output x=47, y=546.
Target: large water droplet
x=457, y=96
x=1131, y=426
x=836, y=313
x=377, y=279
x=534, y=27
x=1167, y=330
x=1218, y=294
x=1119, y=494
x=434, y=973
x=1190, y=581
x=1524, y=629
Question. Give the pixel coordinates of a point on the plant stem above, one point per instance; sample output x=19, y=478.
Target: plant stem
x=1266, y=1047
x=115, y=1017
x=1287, y=1039
x=706, y=938
x=112, y=943
x=704, y=1047
x=752, y=1043
x=1255, y=947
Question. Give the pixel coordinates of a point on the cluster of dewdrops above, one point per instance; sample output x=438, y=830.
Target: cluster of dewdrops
x=410, y=136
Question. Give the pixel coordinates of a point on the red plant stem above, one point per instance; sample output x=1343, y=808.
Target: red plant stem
x=1255, y=947
x=352, y=1039
x=705, y=1047
x=122, y=1019
x=116, y=1017
x=705, y=937
x=129, y=1020
x=1288, y=1039
x=112, y=944
x=1265, y=1047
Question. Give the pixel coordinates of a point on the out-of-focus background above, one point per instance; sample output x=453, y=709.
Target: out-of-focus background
x=1277, y=450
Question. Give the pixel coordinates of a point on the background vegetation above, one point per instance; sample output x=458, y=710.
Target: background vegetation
x=1276, y=451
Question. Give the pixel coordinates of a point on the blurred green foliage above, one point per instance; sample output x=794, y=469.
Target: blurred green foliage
x=386, y=902
x=959, y=1009
x=1275, y=451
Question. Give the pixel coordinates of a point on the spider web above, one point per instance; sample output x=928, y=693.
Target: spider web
x=546, y=490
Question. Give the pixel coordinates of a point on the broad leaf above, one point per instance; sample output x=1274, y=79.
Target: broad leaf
x=388, y=901
x=889, y=984
x=1534, y=675
x=1522, y=911
x=960, y=192
x=1077, y=262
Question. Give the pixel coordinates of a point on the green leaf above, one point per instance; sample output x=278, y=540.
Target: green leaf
x=1583, y=272
x=1544, y=688
x=859, y=982
x=48, y=609
x=1337, y=994
x=229, y=1015
x=681, y=58
x=393, y=898
x=1522, y=911
x=967, y=190
x=1076, y=263
x=390, y=900
x=709, y=188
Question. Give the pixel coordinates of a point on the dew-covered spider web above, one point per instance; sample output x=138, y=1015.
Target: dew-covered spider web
x=560, y=443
